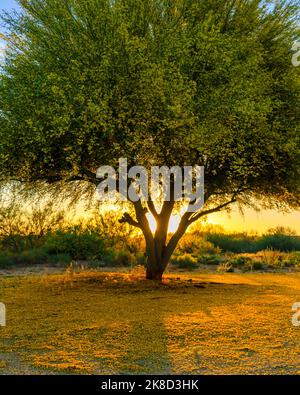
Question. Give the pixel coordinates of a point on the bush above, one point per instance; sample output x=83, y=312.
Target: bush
x=185, y=261
x=36, y=256
x=124, y=258
x=253, y=265
x=6, y=259
x=240, y=261
x=59, y=259
x=296, y=260
x=292, y=260
x=257, y=265
x=280, y=239
x=266, y=259
x=237, y=243
x=210, y=259
x=109, y=257
x=279, y=242
x=195, y=243
x=277, y=259
x=141, y=259
x=271, y=258
x=79, y=246
x=118, y=258
x=225, y=267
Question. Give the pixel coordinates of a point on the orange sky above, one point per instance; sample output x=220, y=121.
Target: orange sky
x=250, y=222
x=256, y=221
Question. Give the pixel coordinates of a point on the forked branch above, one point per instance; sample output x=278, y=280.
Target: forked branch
x=127, y=218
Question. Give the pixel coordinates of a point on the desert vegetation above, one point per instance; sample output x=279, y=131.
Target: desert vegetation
x=44, y=236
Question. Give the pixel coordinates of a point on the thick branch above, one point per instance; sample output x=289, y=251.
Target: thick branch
x=152, y=208
x=142, y=220
x=169, y=249
x=195, y=217
x=89, y=176
x=163, y=225
x=127, y=218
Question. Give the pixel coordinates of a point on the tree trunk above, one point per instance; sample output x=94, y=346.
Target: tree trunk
x=158, y=250
x=154, y=273
x=156, y=259
x=154, y=267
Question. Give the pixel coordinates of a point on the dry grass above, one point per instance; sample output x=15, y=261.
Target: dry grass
x=100, y=323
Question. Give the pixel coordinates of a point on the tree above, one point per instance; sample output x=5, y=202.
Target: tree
x=159, y=82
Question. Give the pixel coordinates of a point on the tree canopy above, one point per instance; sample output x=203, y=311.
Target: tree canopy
x=159, y=82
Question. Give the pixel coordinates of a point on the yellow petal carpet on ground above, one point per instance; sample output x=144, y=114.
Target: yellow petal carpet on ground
x=119, y=323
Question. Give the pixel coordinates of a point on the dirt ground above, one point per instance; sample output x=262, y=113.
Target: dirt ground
x=99, y=322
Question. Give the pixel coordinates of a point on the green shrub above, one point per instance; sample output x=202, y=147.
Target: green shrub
x=19, y=243
x=237, y=243
x=278, y=242
x=195, y=243
x=60, y=258
x=210, y=260
x=115, y=257
x=296, y=260
x=141, y=259
x=79, y=246
x=36, y=256
x=109, y=257
x=240, y=261
x=225, y=267
x=253, y=265
x=292, y=260
x=124, y=258
x=185, y=261
x=279, y=239
x=6, y=259
x=245, y=263
x=271, y=258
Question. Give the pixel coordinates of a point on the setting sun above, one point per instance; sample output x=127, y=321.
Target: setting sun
x=173, y=225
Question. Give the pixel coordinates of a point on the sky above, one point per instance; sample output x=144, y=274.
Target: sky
x=7, y=5
x=250, y=221
x=253, y=221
